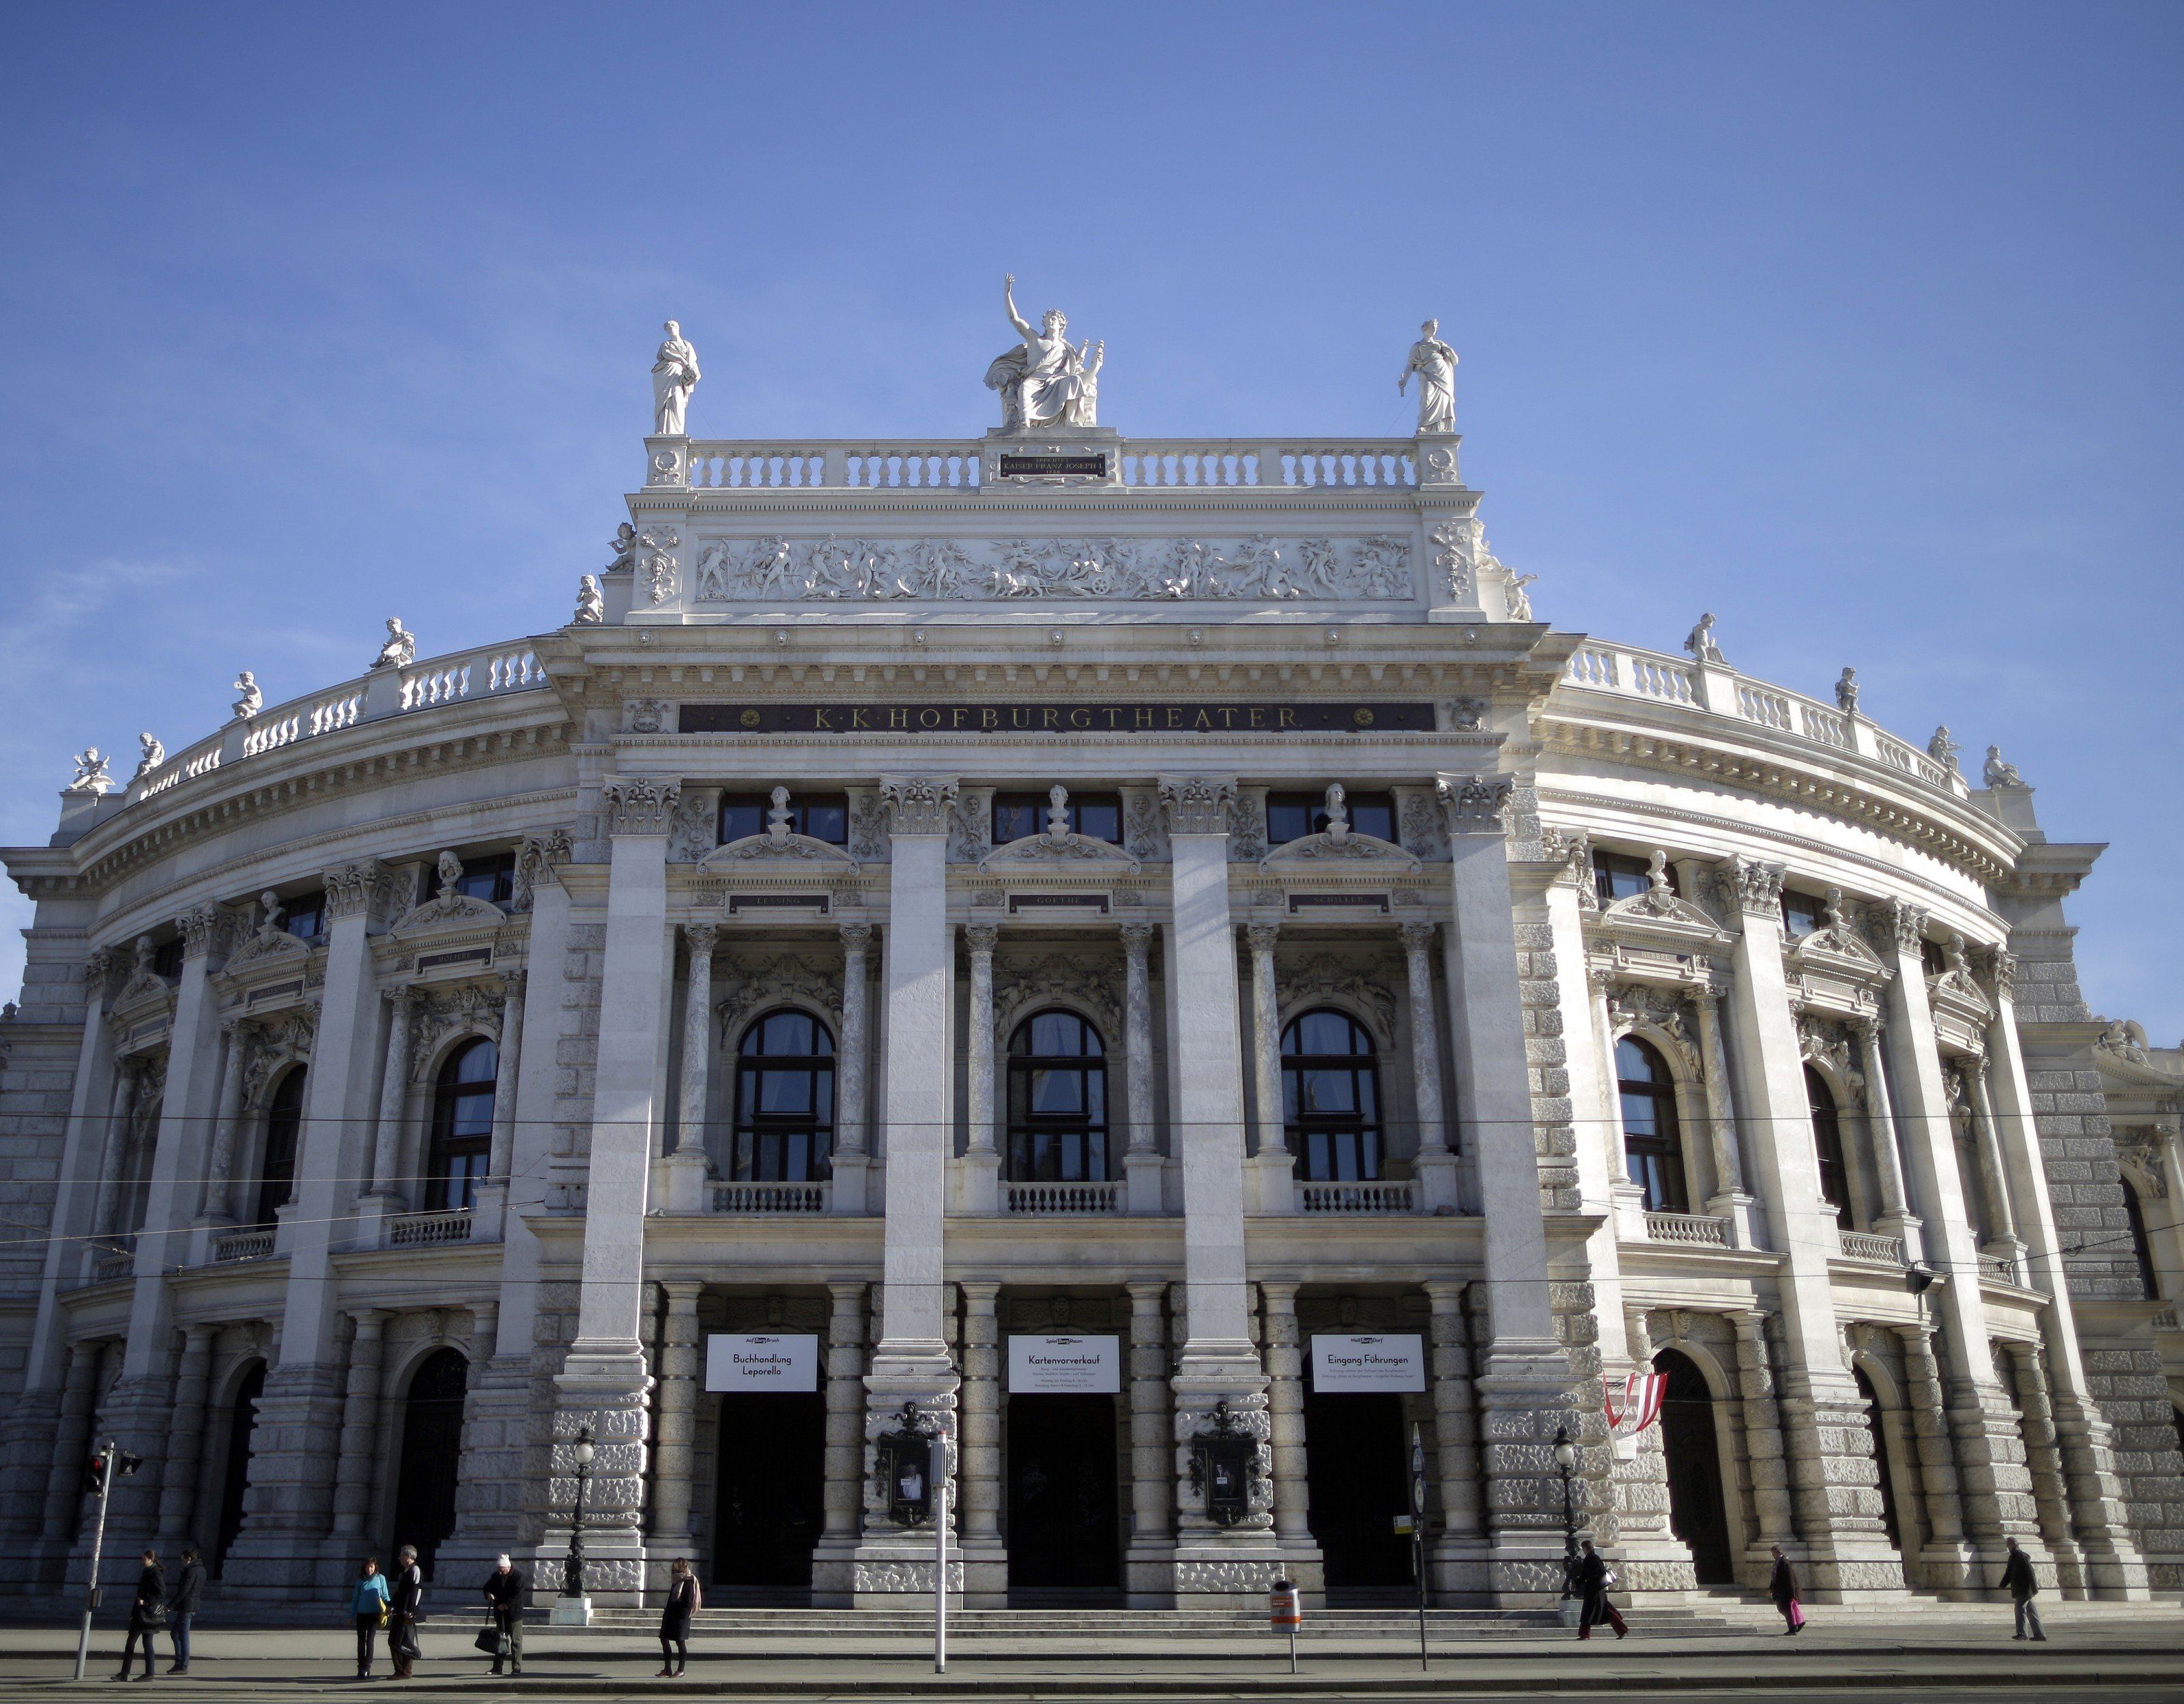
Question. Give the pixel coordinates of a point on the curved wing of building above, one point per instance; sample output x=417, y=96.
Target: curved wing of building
x=1141, y=956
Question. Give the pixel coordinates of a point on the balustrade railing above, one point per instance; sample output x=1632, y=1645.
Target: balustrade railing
x=1055, y=1199
x=2001, y=1268
x=1395, y=1195
x=108, y=1264
x=1139, y=463
x=1868, y=1245
x=770, y=1197
x=1694, y=1230
x=427, y=1230
x=253, y=1244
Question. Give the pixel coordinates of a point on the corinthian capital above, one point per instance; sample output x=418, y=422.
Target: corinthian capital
x=640, y=803
x=536, y=853
x=917, y=804
x=200, y=929
x=1474, y=803
x=1898, y=924
x=1197, y=804
x=1754, y=886
x=365, y=887
x=2001, y=966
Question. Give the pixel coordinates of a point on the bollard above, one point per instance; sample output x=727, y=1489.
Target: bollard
x=1284, y=1614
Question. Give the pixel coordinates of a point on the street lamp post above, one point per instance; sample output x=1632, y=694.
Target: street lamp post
x=1565, y=1460
x=573, y=1607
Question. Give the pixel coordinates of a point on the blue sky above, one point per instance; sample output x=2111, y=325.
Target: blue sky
x=1858, y=325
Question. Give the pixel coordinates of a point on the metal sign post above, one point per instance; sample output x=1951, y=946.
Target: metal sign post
x=1418, y=1531
x=939, y=1471
x=104, y=1462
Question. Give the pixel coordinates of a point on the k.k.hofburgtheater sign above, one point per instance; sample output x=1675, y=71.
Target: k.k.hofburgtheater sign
x=1063, y=718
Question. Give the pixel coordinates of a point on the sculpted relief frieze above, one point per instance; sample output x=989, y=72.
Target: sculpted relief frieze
x=975, y=569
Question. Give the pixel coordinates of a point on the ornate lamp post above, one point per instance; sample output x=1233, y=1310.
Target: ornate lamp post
x=1565, y=1460
x=572, y=1571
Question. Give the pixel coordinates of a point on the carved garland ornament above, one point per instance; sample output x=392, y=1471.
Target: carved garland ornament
x=782, y=980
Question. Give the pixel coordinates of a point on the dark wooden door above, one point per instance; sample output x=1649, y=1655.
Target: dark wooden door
x=432, y=1454
x=1064, y=1534
x=1356, y=1464
x=1696, y=1511
x=235, y=1481
x=770, y=1489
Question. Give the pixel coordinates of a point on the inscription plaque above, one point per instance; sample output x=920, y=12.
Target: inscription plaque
x=1049, y=466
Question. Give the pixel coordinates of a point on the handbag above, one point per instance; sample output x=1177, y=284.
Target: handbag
x=1797, y=1616
x=385, y=1615
x=492, y=1641
x=153, y=1615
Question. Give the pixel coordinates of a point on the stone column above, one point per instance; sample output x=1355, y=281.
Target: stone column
x=1994, y=1181
x=1523, y=1381
x=982, y=1161
x=1459, y=1549
x=1763, y=1438
x=844, y=1494
x=71, y=1447
x=678, y=1403
x=481, y=1529
x=688, y=1165
x=1273, y=1167
x=1285, y=1418
x=492, y=1194
x=2044, y=1460
x=1218, y=1362
x=1148, y=1569
x=1731, y=1200
x=218, y=1204
x=394, y=1096
x=121, y=1110
x=985, y=1561
x=1435, y=1165
x=355, y=1471
x=1896, y=1218
x=1943, y=1555
x=185, y=1438
x=1141, y=1165
x=603, y=1382
x=852, y=1158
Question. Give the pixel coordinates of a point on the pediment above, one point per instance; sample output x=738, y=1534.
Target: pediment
x=269, y=947
x=778, y=845
x=145, y=988
x=1954, y=993
x=1071, y=850
x=1659, y=918
x=1836, y=951
x=1348, y=848
x=448, y=910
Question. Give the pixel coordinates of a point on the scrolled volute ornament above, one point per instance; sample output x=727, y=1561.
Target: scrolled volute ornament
x=1474, y=803
x=538, y=853
x=1755, y=886
x=917, y=804
x=1197, y=804
x=366, y=886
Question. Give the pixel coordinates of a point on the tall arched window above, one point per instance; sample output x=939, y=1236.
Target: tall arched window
x=1331, y=1097
x=276, y=1165
x=1652, y=1143
x=785, y=1101
x=2141, y=1248
x=1057, y=1101
x=1827, y=1144
x=462, y=1126
x=431, y=1452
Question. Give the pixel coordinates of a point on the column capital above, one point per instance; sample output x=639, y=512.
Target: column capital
x=1138, y=937
x=369, y=1320
x=200, y=926
x=856, y=937
x=982, y=937
x=917, y=804
x=980, y=1295
x=364, y=887
x=1899, y=924
x=1750, y=1322
x=1416, y=937
x=701, y=937
x=683, y=1294
x=1146, y=1292
x=1572, y=848
x=1263, y=934
x=2001, y=966
x=538, y=853
x=402, y=996
x=1197, y=804
x=1475, y=803
x=1280, y=1294
x=640, y=805
x=1754, y=887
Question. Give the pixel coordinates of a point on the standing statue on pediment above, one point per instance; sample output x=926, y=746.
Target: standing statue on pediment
x=1847, y=692
x=1048, y=381
x=674, y=376
x=1435, y=363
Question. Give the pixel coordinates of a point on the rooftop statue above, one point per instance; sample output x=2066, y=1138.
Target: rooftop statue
x=674, y=376
x=248, y=700
x=1700, y=642
x=153, y=755
x=400, y=650
x=1998, y=773
x=591, y=605
x=1048, y=381
x=90, y=776
x=1942, y=748
x=1847, y=692
x=1435, y=363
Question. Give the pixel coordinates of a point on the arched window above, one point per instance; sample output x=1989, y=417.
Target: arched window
x=1057, y=1101
x=462, y=1126
x=1653, y=1144
x=785, y=1101
x=431, y=1452
x=276, y=1165
x=1827, y=1142
x=2141, y=1249
x=1331, y=1097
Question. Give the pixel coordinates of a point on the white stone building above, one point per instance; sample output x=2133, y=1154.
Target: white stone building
x=910, y=916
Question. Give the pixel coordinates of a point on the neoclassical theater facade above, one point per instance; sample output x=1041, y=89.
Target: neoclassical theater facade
x=1141, y=956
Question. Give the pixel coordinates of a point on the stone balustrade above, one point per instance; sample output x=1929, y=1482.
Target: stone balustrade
x=1692, y=1230
x=253, y=1244
x=428, y=1230
x=1258, y=464
x=1050, y=1199
x=1867, y=1245
x=770, y=1197
x=1392, y=1195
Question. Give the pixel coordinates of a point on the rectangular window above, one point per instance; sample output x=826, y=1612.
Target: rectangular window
x=304, y=916
x=1801, y=914
x=167, y=958
x=1930, y=958
x=492, y=879
x=823, y=816
x=1618, y=876
x=1096, y=815
x=1293, y=815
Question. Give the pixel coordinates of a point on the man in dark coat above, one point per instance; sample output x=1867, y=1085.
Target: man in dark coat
x=188, y=1589
x=1782, y=1587
x=147, y=1613
x=503, y=1602
x=1592, y=1582
x=2019, y=1580
x=407, y=1597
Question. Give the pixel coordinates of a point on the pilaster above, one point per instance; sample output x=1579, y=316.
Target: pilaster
x=1141, y=1166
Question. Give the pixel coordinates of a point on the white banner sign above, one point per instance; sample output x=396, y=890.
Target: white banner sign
x=1092, y=1365
x=761, y=1363
x=1393, y=1362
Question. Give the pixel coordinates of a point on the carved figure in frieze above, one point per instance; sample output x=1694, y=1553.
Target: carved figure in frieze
x=400, y=649
x=1042, y=382
x=674, y=376
x=90, y=776
x=153, y=755
x=591, y=605
x=1435, y=364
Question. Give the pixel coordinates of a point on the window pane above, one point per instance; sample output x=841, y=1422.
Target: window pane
x=741, y=816
x=1099, y=820
x=1635, y=1062
x=1326, y=1031
x=1289, y=817
x=1373, y=814
x=1057, y=1092
x=1638, y=1119
x=476, y=1063
x=1329, y=1091
x=784, y=1091
x=1017, y=814
x=827, y=820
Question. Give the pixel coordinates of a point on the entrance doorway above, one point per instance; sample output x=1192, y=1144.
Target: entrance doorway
x=432, y=1454
x=235, y=1479
x=1357, y=1467
x=1876, y=1419
x=1696, y=1511
x=770, y=1484
x=1064, y=1538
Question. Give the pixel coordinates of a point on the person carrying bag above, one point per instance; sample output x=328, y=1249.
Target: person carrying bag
x=405, y=1612
x=1782, y=1587
x=501, y=1637
x=147, y=1614
x=367, y=1607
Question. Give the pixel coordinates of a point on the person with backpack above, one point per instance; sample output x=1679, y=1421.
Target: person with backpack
x=2022, y=1584
x=147, y=1614
x=367, y=1605
x=183, y=1609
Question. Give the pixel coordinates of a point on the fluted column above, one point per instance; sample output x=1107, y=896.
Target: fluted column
x=178, y=1484
x=981, y=1440
x=1285, y=1414
x=852, y=1158
x=360, y=1429
x=678, y=1403
x=697, y=1041
x=2044, y=1458
x=1938, y=1483
x=393, y=1092
x=509, y=1056
x=1141, y=1165
x=1273, y=1166
x=219, y=1201
x=981, y=1158
x=1763, y=1429
x=1897, y=1219
x=1434, y=1166
x=1721, y=1111
x=1994, y=1178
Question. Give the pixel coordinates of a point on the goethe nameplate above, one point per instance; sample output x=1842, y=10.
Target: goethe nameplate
x=761, y=1363
x=1063, y=718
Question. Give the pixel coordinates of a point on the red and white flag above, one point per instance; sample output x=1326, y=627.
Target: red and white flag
x=1641, y=1400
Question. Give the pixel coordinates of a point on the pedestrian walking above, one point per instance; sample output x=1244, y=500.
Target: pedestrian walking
x=406, y=1595
x=683, y=1600
x=147, y=1614
x=2022, y=1584
x=368, y=1605
x=183, y=1609
x=1593, y=1576
x=1782, y=1587
x=504, y=1608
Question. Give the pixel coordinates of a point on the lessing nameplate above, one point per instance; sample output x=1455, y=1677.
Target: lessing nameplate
x=1064, y=718
x=1047, y=466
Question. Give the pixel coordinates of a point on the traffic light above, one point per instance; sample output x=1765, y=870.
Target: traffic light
x=94, y=1475
x=125, y=1464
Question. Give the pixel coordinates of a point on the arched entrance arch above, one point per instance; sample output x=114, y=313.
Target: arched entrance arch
x=235, y=1477
x=1689, y=1437
x=432, y=1454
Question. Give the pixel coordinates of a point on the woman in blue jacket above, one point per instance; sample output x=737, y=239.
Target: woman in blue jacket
x=368, y=1604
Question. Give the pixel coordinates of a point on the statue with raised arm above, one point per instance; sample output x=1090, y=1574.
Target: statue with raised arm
x=1435, y=363
x=251, y=700
x=1046, y=381
x=90, y=776
x=674, y=376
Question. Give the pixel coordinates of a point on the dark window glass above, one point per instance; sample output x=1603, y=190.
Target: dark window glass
x=491, y=879
x=1057, y=1101
x=304, y=916
x=1331, y=1098
x=1618, y=876
x=2141, y=1249
x=1292, y=815
x=1930, y=958
x=462, y=1126
x=823, y=816
x=1096, y=815
x=284, y=1122
x=1801, y=914
x=1652, y=1143
x=167, y=958
x=1827, y=1142
x=785, y=1101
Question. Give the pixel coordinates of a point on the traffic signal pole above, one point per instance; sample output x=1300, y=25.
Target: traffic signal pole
x=104, y=1463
